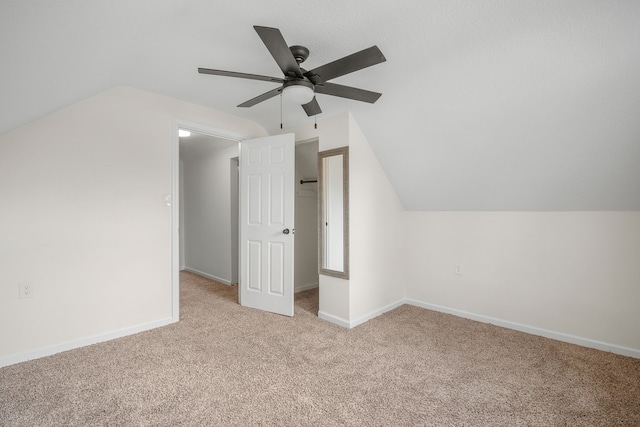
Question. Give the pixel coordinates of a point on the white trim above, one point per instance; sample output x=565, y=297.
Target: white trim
x=306, y=287
x=533, y=330
x=71, y=345
x=334, y=319
x=559, y=336
x=175, y=222
x=362, y=319
x=209, y=130
x=119, y=333
x=175, y=197
x=208, y=276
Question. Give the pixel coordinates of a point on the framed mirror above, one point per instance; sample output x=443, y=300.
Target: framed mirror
x=333, y=212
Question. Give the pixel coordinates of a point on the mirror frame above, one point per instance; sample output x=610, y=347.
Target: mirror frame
x=344, y=151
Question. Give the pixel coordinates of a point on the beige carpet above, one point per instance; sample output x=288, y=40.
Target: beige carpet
x=228, y=365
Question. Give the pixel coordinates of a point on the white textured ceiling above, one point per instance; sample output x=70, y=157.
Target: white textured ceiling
x=486, y=105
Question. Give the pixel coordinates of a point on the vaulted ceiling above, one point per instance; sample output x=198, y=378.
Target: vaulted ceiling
x=486, y=105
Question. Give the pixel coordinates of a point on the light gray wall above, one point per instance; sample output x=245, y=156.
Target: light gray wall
x=207, y=207
x=375, y=223
x=84, y=219
x=568, y=275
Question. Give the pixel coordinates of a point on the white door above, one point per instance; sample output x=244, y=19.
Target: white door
x=266, y=223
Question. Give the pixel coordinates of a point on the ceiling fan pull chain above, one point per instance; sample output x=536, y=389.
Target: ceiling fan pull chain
x=280, y=110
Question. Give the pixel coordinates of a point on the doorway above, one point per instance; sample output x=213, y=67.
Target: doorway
x=207, y=197
x=306, y=216
x=185, y=239
x=205, y=235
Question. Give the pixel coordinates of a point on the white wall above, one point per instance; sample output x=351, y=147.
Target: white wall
x=376, y=263
x=572, y=276
x=332, y=132
x=84, y=220
x=182, y=260
x=569, y=275
x=207, y=211
x=376, y=234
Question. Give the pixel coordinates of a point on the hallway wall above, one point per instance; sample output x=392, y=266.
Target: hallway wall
x=207, y=207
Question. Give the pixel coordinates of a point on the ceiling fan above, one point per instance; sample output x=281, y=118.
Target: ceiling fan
x=302, y=85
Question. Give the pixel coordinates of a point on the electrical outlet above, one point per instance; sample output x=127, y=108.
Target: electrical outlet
x=457, y=269
x=25, y=290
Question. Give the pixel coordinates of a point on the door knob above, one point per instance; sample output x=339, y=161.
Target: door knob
x=285, y=231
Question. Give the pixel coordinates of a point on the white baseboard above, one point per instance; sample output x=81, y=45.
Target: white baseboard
x=334, y=319
x=48, y=351
x=208, y=276
x=559, y=336
x=585, y=342
x=306, y=287
x=360, y=320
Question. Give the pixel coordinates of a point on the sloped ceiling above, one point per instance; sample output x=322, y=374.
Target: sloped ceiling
x=486, y=105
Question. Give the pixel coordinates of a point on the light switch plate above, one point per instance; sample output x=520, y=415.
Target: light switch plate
x=457, y=269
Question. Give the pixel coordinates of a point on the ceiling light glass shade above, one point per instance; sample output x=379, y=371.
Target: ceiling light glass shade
x=298, y=94
x=183, y=133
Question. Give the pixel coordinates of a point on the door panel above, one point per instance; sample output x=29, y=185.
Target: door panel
x=266, y=211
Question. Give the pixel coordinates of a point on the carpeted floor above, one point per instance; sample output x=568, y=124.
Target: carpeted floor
x=224, y=364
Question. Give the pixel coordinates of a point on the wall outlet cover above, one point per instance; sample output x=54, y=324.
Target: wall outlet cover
x=25, y=290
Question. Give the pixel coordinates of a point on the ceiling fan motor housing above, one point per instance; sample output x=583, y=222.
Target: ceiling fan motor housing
x=298, y=82
x=300, y=53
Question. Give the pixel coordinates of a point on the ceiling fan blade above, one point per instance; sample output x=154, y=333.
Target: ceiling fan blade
x=240, y=75
x=278, y=48
x=347, y=92
x=354, y=62
x=312, y=108
x=260, y=98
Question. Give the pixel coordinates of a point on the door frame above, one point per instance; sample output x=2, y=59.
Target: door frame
x=175, y=198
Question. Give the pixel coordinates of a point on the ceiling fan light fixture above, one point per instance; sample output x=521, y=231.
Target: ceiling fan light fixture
x=299, y=92
x=299, y=85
